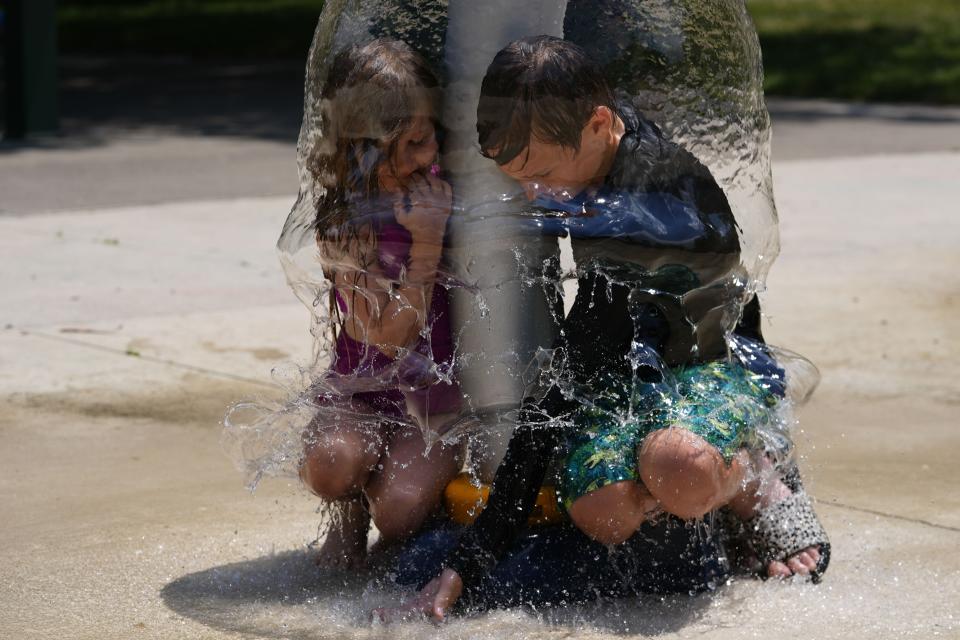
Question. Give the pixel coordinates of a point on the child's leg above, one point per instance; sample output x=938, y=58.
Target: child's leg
x=682, y=451
x=599, y=486
x=611, y=514
x=676, y=471
x=338, y=459
x=693, y=458
x=409, y=484
x=690, y=478
x=673, y=470
x=764, y=489
x=345, y=540
x=687, y=474
x=337, y=464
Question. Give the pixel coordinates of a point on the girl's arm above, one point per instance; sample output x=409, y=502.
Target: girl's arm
x=389, y=316
x=383, y=315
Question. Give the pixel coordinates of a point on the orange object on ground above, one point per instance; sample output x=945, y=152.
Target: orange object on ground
x=465, y=500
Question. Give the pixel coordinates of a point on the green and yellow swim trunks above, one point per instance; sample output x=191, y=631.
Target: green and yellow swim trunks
x=722, y=402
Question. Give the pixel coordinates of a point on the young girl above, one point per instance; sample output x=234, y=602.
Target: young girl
x=380, y=226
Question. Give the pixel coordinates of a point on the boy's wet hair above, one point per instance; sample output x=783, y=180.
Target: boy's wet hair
x=538, y=87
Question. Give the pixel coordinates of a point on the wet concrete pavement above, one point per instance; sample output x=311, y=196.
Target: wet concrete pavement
x=127, y=327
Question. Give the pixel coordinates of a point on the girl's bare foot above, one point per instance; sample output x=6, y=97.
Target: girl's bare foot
x=345, y=543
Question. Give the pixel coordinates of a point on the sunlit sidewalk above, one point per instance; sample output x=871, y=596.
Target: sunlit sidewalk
x=124, y=333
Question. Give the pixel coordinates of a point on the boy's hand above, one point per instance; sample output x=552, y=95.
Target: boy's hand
x=424, y=208
x=433, y=601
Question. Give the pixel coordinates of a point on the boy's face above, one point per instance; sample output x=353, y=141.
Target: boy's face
x=560, y=173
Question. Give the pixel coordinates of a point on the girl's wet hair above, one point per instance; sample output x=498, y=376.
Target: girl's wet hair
x=540, y=87
x=372, y=93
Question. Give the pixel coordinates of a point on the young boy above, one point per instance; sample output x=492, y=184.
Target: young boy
x=663, y=418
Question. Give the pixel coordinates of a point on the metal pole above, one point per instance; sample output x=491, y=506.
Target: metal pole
x=30, y=43
x=497, y=340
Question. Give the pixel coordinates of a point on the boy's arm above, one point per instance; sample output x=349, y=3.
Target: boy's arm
x=531, y=449
x=514, y=492
x=749, y=325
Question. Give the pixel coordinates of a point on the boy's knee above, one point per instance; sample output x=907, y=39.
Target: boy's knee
x=611, y=514
x=333, y=470
x=684, y=472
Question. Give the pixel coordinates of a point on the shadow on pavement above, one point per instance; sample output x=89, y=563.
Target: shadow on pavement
x=281, y=595
x=811, y=111
x=103, y=96
x=285, y=595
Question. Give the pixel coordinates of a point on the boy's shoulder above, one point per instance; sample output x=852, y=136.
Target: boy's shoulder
x=634, y=119
x=648, y=160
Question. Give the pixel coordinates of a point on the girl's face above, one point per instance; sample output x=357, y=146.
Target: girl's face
x=415, y=151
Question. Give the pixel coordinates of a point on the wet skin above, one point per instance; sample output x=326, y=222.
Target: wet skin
x=682, y=474
x=612, y=514
x=388, y=465
x=560, y=173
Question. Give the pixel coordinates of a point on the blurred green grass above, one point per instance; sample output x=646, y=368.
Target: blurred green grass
x=875, y=50
x=198, y=28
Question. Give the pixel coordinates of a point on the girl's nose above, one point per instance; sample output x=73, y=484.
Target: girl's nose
x=426, y=155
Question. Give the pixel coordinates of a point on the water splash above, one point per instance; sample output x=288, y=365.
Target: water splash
x=451, y=350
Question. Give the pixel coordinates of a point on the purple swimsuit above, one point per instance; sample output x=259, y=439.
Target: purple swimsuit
x=362, y=360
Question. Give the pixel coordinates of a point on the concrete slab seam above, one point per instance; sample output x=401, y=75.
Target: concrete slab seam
x=152, y=359
x=892, y=516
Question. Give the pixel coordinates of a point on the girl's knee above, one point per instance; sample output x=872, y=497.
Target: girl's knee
x=333, y=469
x=399, y=516
x=685, y=473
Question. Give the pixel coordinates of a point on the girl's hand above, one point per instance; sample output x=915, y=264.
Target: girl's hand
x=416, y=371
x=433, y=601
x=425, y=206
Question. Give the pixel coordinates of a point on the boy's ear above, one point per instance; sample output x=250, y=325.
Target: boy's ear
x=601, y=120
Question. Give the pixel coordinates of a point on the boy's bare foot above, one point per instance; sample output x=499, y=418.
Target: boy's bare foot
x=769, y=492
x=345, y=543
x=801, y=564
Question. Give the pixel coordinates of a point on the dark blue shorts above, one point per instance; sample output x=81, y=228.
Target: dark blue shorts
x=554, y=565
